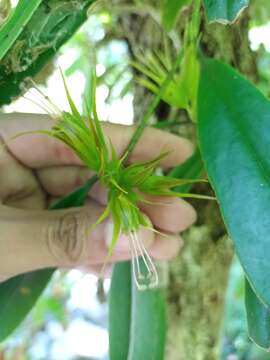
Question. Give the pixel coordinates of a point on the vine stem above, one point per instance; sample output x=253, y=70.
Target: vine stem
x=152, y=107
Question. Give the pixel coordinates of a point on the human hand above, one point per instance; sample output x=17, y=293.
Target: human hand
x=36, y=170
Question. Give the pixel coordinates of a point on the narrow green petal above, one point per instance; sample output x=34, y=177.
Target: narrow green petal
x=102, y=217
x=194, y=196
x=155, y=64
x=147, y=84
x=73, y=108
x=115, y=235
x=149, y=73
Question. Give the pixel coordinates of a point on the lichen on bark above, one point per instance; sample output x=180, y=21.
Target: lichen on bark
x=196, y=292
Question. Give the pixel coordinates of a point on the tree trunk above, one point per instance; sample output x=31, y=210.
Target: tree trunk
x=198, y=277
x=196, y=291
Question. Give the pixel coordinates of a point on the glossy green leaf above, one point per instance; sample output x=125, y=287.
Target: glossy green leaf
x=234, y=127
x=170, y=10
x=137, y=321
x=17, y=297
x=25, y=289
x=15, y=24
x=120, y=311
x=148, y=324
x=258, y=318
x=224, y=11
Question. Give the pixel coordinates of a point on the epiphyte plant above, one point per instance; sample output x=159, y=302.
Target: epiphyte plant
x=127, y=185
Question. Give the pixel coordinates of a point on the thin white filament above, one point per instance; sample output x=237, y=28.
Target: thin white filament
x=45, y=101
x=45, y=98
x=150, y=278
x=135, y=258
x=38, y=104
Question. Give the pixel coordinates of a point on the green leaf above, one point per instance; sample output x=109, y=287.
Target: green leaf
x=120, y=311
x=258, y=318
x=170, y=10
x=25, y=289
x=137, y=321
x=234, y=127
x=17, y=297
x=192, y=168
x=224, y=11
x=15, y=24
x=148, y=324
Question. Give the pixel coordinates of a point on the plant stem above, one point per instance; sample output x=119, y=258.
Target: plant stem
x=168, y=124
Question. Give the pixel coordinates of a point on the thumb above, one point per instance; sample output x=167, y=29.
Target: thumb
x=32, y=240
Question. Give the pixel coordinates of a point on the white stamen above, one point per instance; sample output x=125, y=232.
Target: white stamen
x=144, y=271
x=37, y=97
x=45, y=98
x=38, y=104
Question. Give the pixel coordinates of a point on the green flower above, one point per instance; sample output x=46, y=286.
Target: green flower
x=126, y=185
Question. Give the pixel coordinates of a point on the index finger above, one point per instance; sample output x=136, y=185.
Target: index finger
x=39, y=151
x=151, y=144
